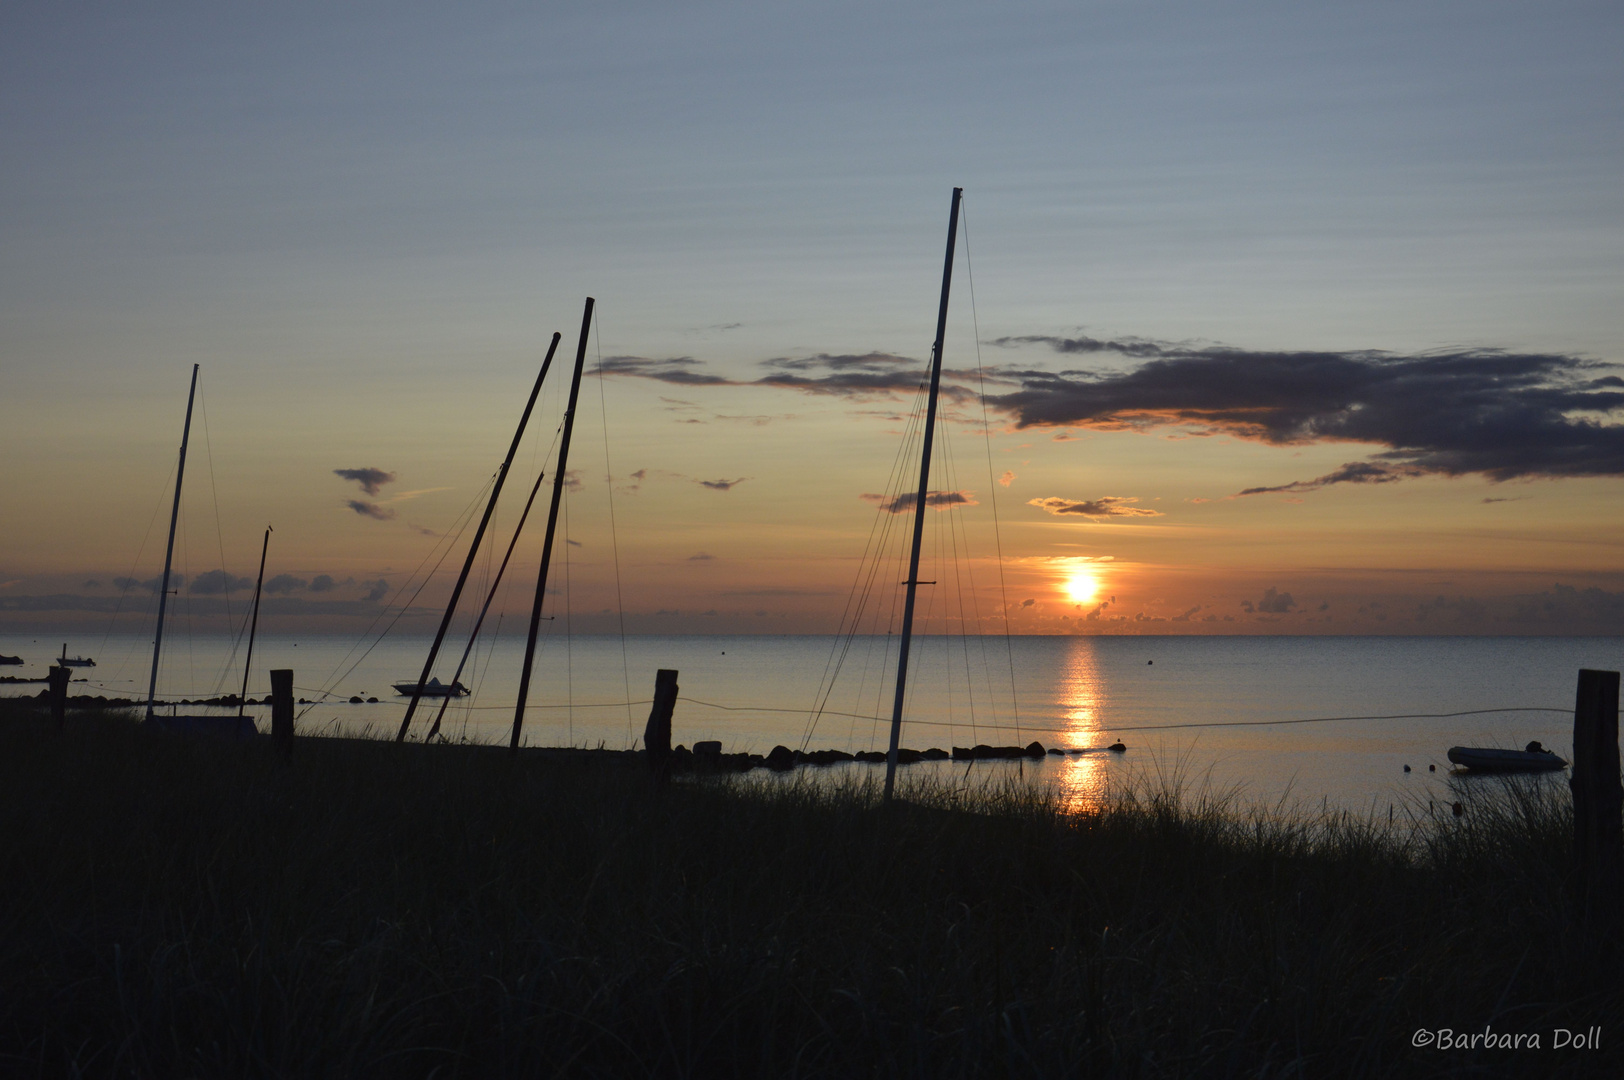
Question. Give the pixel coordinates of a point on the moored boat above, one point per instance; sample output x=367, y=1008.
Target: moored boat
x=8, y=660
x=72, y=661
x=1485, y=759
x=433, y=688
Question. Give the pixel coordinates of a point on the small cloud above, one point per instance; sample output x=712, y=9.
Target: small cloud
x=371, y=480
x=422, y=530
x=941, y=500
x=217, y=581
x=287, y=583
x=722, y=485
x=1186, y=616
x=1008, y=478
x=91, y=584
x=701, y=557
x=1106, y=506
x=572, y=481
x=376, y=590
x=572, y=543
x=1273, y=603
x=322, y=583
x=1506, y=498
x=1029, y=601
x=371, y=510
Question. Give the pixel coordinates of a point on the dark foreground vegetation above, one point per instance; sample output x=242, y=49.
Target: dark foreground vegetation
x=189, y=907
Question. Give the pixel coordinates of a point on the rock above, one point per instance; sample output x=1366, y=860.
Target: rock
x=935, y=754
x=355, y=700
x=708, y=750
x=1119, y=747
x=908, y=757
x=963, y=753
x=1056, y=751
x=782, y=759
x=372, y=701
x=1034, y=749
x=871, y=756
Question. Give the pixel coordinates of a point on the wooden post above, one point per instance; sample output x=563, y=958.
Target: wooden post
x=1598, y=798
x=282, y=711
x=59, y=693
x=657, y=735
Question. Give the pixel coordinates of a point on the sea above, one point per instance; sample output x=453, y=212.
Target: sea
x=1302, y=723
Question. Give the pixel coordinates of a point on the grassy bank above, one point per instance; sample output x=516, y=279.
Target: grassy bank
x=178, y=907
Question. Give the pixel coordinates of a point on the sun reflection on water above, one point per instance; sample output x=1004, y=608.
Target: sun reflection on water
x=1082, y=694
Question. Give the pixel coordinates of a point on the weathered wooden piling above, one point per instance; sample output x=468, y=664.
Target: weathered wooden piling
x=282, y=711
x=58, y=684
x=657, y=733
x=1598, y=797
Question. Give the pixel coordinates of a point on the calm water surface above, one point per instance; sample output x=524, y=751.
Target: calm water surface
x=753, y=693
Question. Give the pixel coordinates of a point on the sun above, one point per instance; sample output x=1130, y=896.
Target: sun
x=1082, y=584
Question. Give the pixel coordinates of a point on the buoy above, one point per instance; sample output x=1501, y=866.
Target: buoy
x=1459, y=810
x=1432, y=768
x=1406, y=768
x=1150, y=661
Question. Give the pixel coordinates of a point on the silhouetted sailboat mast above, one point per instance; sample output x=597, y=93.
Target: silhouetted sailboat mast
x=479, y=535
x=552, y=526
x=253, y=624
x=920, y=497
x=169, y=552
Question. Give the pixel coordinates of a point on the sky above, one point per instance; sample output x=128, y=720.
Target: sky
x=1266, y=317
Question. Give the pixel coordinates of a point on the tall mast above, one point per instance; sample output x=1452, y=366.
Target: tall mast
x=552, y=525
x=253, y=626
x=473, y=549
x=169, y=552
x=919, y=504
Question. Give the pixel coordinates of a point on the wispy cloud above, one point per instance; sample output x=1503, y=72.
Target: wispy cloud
x=722, y=485
x=1106, y=506
x=371, y=510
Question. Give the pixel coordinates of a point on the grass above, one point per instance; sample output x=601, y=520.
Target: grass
x=181, y=907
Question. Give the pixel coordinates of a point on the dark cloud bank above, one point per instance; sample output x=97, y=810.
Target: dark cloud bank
x=1489, y=412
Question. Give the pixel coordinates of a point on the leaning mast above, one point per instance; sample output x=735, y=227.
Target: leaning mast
x=552, y=526
x=169, y=552
x=919, y=504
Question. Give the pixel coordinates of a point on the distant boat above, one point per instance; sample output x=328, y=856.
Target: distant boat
x=11, y=659
x=68, y=661
x=1488, y=760
x=433, y=688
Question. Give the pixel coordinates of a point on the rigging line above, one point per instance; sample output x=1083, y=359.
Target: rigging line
x=466, y=516
x=446, y=538
x=569, y=629
x=614, y=534
x=219, y=537
x=129, y=579
x=950, y=466
x=490, y=596
x=861, y=589
x=992, y=487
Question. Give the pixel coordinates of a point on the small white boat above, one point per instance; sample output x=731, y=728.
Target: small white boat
x=433, y=688
x=1489, y=760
